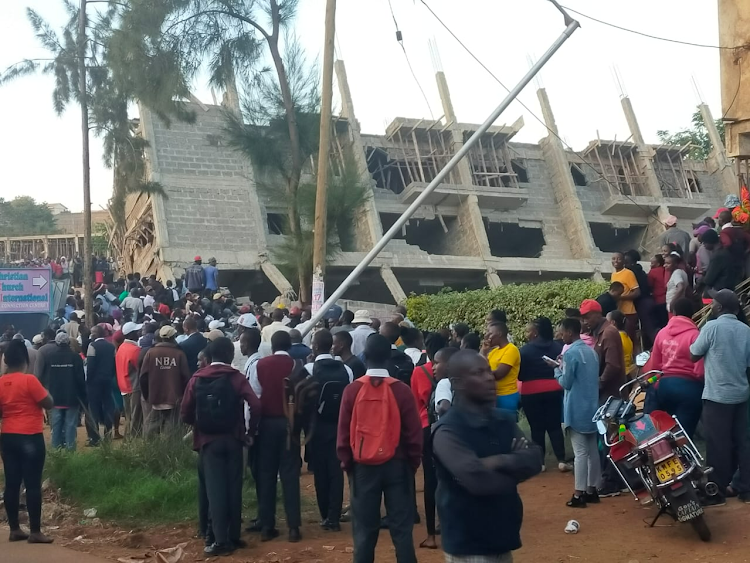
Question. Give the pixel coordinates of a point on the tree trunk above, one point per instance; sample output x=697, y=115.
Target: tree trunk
x=88, y=278
x=305, y=280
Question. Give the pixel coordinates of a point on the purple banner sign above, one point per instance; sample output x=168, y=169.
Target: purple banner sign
x=25, y=290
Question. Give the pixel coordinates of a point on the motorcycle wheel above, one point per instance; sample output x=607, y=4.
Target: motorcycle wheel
x=701, y=528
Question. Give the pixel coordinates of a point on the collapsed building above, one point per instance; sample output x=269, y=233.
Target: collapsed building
x=508, y=212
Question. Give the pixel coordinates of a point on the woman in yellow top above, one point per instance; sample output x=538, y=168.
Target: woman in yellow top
x=632, y=292
x=617, y=320
x=505, y=363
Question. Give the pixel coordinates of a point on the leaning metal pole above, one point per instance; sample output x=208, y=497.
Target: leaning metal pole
x=572, y=25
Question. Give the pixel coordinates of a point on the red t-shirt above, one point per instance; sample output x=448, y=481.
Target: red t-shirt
x=658, y=283
x=126, y=361
x=421, y=388
x=20, y=395
x=164, y=309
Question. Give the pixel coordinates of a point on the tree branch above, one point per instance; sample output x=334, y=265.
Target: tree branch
x=229, y=13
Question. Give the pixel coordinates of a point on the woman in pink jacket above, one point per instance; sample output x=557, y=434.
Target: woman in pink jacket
x=680, y=389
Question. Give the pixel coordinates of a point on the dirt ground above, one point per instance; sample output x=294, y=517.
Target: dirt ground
x=614, y=531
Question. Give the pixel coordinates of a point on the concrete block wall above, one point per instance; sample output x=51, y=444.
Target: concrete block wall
x=541, y=205
x=460, y=240
x=212, y=201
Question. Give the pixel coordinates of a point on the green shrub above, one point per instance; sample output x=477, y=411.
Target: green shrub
x=522, y=303
x=149, y=481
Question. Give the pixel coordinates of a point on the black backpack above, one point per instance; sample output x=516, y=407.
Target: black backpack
x=216, y=405
x=400, y=366
x=333, y=377
x=431, y=412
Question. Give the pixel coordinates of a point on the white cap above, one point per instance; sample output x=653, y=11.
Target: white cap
x=129, y=328
x=248, y=320
x=215, y=324
x=362, y=317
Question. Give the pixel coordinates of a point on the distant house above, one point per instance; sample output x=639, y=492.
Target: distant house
x=57, y=208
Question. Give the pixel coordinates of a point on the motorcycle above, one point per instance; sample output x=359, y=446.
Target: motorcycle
x=655, y=457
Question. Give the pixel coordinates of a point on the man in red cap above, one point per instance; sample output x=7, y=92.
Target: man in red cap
x=608, y=346
x=195, y=277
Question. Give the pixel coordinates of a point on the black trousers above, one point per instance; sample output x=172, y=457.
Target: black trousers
x=204, y=516
x=275, y=459
x=544, y=412
x=430, y=480
x=393, y=480
x=222, y=469
x=23, y=461
x=100, y=410
x=727, y=446
x=329, y=477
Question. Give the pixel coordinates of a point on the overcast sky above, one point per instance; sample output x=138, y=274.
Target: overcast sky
x=40, y=152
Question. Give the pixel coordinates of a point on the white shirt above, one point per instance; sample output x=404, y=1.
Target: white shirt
x=443, y=391
x=359, y=338
x=181, y=338
x=273, y=328
x=375, y=372
x=133, y=303
x=148, y=301
x=415, y=354
x=309, y=366
x=250, y=368
x=238, y=362
x=252, y=374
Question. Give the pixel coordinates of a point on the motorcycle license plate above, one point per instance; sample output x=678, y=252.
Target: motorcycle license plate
x=669, y=469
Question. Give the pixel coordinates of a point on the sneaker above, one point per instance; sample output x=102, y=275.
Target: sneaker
x=332, y=526
x=544, y=468
x=591, y=498
x=744, y=497
x=716, y=500
x=565, y=467
x=608, y=491
x=218, y=549
x=576, y=502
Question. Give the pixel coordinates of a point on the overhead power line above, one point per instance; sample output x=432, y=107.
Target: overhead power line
x=400, y=39
x=642, y=34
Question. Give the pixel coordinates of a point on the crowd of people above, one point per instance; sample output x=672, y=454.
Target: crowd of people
x=369, y=400
x=103, y=268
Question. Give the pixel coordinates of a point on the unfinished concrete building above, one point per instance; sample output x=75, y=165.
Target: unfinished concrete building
x=509, y=212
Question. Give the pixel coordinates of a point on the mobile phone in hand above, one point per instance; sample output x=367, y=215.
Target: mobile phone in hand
x=547, y=358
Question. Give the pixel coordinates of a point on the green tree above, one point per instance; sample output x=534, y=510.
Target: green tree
x=695, y=136
x=107, y=97
x=230, y=38
x=23, y=216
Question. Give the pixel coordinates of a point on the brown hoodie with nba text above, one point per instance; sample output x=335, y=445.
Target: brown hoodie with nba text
x=164, y=374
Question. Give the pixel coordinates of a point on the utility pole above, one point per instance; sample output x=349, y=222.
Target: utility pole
x=88, y=281
x=321, y=198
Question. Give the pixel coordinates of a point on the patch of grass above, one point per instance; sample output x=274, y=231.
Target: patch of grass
x=149, y=481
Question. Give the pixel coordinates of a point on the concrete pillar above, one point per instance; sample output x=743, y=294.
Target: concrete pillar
x=718, y=161
x=46, y=247
x=275, y=276
x=371, y=229
x=646, y=168
x=469, y=213
x=399, y=295
x=576, y=227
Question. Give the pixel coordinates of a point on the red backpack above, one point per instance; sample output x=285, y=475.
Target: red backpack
x=375, y=429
